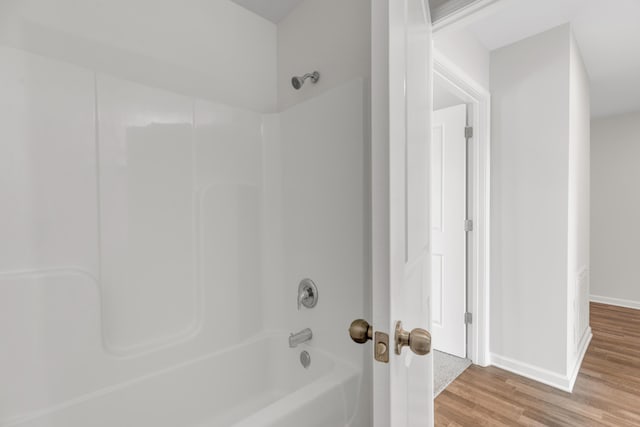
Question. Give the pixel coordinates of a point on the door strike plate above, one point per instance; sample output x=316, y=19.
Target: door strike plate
x=381, y=347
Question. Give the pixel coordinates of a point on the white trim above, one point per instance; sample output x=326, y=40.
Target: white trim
x=535, y=373
x=545, y=376
x=471, y=92
x=582, y=350
x=616, y=301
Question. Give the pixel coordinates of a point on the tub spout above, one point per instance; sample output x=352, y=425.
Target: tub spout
x=300, y=337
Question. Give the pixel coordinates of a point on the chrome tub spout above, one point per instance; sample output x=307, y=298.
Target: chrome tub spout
x=300, y=337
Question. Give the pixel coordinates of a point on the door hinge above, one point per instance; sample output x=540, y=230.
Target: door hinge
x=468, y=318
x=468, y=132
x=468, y=225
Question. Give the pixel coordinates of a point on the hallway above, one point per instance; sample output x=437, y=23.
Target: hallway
x=607, y=391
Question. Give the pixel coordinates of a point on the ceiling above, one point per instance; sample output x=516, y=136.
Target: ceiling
x=607, y=32
x=273, y=10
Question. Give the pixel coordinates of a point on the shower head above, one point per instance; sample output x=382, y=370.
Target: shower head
x=297, y=82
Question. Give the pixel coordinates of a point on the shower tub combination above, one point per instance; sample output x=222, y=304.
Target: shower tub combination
x=263, y=384
x=165, y=203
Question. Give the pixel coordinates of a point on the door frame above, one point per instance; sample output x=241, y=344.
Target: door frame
x=478, y=201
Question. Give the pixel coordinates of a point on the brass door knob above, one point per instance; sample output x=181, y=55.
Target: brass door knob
x=418, y=340
x=360, y=331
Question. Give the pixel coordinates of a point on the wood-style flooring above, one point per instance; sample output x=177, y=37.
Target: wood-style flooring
x=607, y=391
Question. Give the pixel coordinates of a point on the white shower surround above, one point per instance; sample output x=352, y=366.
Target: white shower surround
x=274, y=390
x=259, y=201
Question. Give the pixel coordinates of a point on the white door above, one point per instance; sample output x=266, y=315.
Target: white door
x=401, y=129
x=448, y=206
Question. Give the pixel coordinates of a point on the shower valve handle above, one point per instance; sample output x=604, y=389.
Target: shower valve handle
x=307, y=294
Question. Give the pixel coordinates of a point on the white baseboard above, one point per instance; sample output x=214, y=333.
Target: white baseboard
x=544, y=376
x=582, y=350
x=535, y=373
x=616, y=301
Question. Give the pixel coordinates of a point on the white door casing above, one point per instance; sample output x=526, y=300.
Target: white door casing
x=401, y=130
x=448, y=213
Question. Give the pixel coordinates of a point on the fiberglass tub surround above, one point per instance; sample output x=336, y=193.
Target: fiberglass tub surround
x=155, y=240
x=274, y=390
x=159, y=224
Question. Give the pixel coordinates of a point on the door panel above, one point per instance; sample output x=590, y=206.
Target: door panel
x=448, y=186
x=401, y=108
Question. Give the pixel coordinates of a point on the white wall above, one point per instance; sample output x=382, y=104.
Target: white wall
x=330, y=36
x=529, y=165
x=615, y=204
x=537, y=135
x=209, y=49
x=466, y=52
x=325, y=161
x=442, y=97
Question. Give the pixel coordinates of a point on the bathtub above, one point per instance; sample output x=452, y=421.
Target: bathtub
x=260, y=383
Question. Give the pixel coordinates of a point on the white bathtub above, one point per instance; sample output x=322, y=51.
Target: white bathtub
x=258, y=384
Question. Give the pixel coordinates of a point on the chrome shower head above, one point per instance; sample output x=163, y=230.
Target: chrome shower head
x=297, y=82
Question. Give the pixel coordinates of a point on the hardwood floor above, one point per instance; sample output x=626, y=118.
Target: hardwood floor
x=607, y=391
